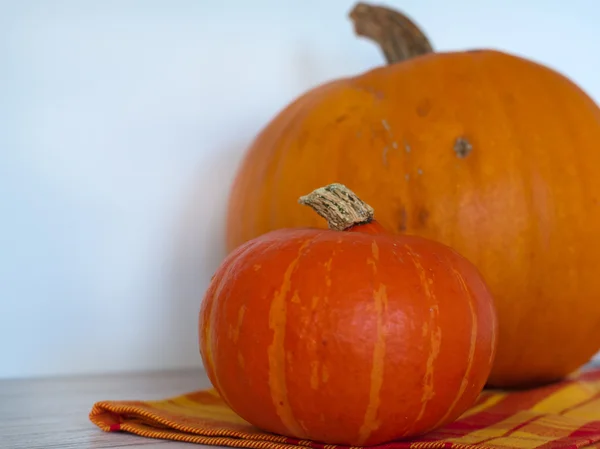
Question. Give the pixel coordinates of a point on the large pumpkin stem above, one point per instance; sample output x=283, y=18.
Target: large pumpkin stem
x=398, y=37
x=338, y=205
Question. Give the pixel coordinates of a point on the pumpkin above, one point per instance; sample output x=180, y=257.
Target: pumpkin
x=487, y=152
x=350, y=335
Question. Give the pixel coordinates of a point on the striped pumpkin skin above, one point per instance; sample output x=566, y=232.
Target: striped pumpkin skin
x=356, y=337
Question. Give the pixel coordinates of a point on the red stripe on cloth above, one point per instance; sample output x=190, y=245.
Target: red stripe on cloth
x=590, y=430
x=114, y=427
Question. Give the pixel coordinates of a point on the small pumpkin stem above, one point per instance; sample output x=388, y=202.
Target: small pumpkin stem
x=398, y=37
x=339, y=205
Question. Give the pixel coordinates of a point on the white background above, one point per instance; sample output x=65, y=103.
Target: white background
x=121, y=125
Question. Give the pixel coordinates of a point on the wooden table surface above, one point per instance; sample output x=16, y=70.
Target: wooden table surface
x=53, y=413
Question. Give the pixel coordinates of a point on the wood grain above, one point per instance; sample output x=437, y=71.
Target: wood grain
x=53, y=413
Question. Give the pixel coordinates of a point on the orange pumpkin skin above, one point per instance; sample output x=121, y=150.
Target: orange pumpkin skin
x=356, y=337
x=491, y=154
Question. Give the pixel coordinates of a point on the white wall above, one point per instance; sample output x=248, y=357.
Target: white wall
x=121, y=123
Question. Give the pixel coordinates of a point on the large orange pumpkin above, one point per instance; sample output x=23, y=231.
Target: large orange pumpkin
x=347, y=336
x=490, y=153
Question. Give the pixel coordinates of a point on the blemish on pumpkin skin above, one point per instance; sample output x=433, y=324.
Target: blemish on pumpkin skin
x=424, y=107
x=462, y=147
x=402, y=219
x=395, y=253
x=257, y=266
x=341, y=118
x=406, y=147
x=387, y=127
x=240, y=359
x=377, y=94
x=422, y=217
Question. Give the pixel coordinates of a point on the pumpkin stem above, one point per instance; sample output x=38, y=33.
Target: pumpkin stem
x=398, y=36
x=338, y=205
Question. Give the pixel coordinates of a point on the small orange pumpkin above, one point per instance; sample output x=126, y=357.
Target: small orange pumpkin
x=489, y=153
x=350, y=335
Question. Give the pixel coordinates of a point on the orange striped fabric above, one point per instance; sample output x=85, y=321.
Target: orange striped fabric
x=562, y=415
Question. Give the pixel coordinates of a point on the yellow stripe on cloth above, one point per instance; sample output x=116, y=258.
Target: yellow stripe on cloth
x=487, y=403
x=567, y=397
x=561, y=416
x=589, y=411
